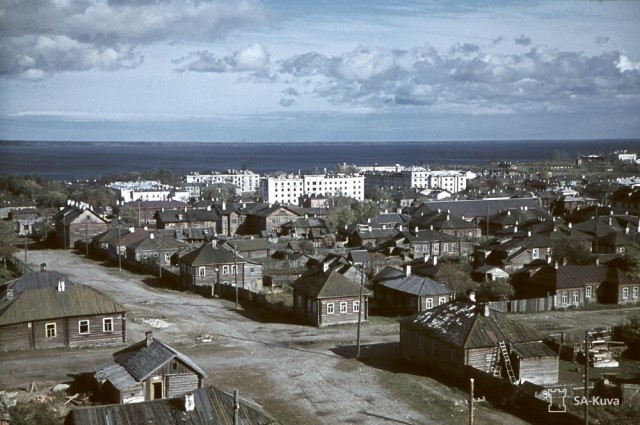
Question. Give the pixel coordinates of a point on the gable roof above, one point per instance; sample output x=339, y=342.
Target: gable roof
x=209, y=254
x=212, y=406
x=49, y=303
x=37, y=280
x=578, y=276
x=330, y=284
x=141, y=359
x=479, y=207
x=416, y=285
x=463, y=324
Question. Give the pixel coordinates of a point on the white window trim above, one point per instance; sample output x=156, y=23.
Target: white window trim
x=104, y=324
x=343, y=307
x=625, y=293
x=356, y=306
x=331, y=308
x=202, y=271
x=88, y=323
x=429, y=303
x=54, y=328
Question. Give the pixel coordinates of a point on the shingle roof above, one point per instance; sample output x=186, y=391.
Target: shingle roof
x=208, y=254
x=330, y=284
x=49, y=303
x=212, y=406
x=417, y=285
x=141, y=360
x=37, y=280
x=480, y=207
x=462, y=323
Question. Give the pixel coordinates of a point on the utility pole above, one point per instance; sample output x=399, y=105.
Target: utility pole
x=159, y=260
x=586, y=377
x=471, y=407
x=86, y=235
x=118, y=246
x=359, y=311
x=235, y=268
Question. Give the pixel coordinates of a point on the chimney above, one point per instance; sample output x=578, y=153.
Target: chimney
x=149, y=336
x=384, y=227
x=415, y=229
x=151, y=236
x=162, y=209
x=597, y=261
x=43, y=267
x=189, y=402
x=564, y=261
x=60, y=285
x=132, y=229
x=208, y=207
x=407, y=270
x=472, y=296
x=224, y=205
x=555, y=265
x=485, y=310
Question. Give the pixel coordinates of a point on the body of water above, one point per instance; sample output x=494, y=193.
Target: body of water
x=82, y=160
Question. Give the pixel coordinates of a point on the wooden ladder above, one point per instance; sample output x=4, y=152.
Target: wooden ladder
x=494, y=368
x=507, y=362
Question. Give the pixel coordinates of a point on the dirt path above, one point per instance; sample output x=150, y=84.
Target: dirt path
x=300, y=374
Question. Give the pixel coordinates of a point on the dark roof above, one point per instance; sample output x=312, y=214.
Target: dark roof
x=417, y=285
x=37, y=280
x=533, y=349
x=212, y=406
x=141, y=360
x=479, y=207
x=329, y=284
x=265, y=210
x=245, y=245
x=210, y=254
x=182, y=216
x=49, y=303
x=156, y=243
x=426, y=236
x=359, y=256
x=463, y=324
x=578, y=276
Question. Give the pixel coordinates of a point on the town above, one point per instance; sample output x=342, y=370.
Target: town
x=371, y=293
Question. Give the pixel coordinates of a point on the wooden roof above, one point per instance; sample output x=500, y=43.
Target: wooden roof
x=212, y=406
x=462, y=323
x=49, y=303
x=329, y=284
x=208, y=254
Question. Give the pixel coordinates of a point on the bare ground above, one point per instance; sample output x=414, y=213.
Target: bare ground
x=300, y=374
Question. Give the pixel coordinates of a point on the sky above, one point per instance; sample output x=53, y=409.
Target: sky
x=298, y=71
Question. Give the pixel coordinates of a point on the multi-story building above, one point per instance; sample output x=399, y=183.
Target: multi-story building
x=246, y=180
x=453, y=181
x=287, y=189
x=402, y=178
x=145, y=191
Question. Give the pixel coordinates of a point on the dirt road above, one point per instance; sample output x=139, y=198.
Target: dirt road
x=300, y=374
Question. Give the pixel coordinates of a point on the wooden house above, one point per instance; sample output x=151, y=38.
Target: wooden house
x=186, y=218
x=40, y=315
x=211, y=267
x=325, y=297
x=148, y=250
x=269, y=218
x=402, y=293
x=148, y=370
x=418, y=243
x=204, y=406
x=77, y=224
x=460, y=334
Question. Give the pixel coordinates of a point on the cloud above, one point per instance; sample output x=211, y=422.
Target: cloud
x=108, y=35
x=252, y=58
x=523, y=40
x=286, y=102
x=478, y=81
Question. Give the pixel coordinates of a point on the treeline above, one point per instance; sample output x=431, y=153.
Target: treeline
x=52, y=193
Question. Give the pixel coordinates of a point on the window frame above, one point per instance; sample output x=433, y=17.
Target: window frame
x=355, y=306
x=428, y=303
x=331, y=308
x=50, y=330
x=82, y=323
x=202, y=271
x=625, y=293
x=344, y=309
x=109, y=328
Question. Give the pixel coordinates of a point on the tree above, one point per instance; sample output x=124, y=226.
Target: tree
x=364, y=210
x=574, y=252
x=495, y=290
x=457, y=276
x=632, y=258
x=307, y=247
x=338, y=218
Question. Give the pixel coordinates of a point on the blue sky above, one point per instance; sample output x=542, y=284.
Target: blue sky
x=198, y=70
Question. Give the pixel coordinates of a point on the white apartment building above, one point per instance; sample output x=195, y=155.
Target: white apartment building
x=452, y=181
x=289, y=188
x=145, y=191
x=247, y=181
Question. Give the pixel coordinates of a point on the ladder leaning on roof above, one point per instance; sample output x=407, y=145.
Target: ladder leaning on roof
x=507, y=362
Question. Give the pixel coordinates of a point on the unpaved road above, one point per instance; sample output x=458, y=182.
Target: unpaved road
x=300, y=374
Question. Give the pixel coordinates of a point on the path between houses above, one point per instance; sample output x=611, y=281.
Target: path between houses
x=300, y=374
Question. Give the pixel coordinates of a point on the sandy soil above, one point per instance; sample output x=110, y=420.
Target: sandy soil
x=300, y=374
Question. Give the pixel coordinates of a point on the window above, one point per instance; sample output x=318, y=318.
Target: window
x=356, y=306
x=576, y=297
x=201, y=271
x=565, y=298
x=587, y=291
x=436, y=248
x=50, y=330
x=429, y=303
x=83, y=327
x=343, y=307
x=445, y=247
x=635, y=292
x=107, y=325
x=225, y=269
x=441, y=300
x=330, y=308
x=535, y=253
x=167, y=257
x=625, y=293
